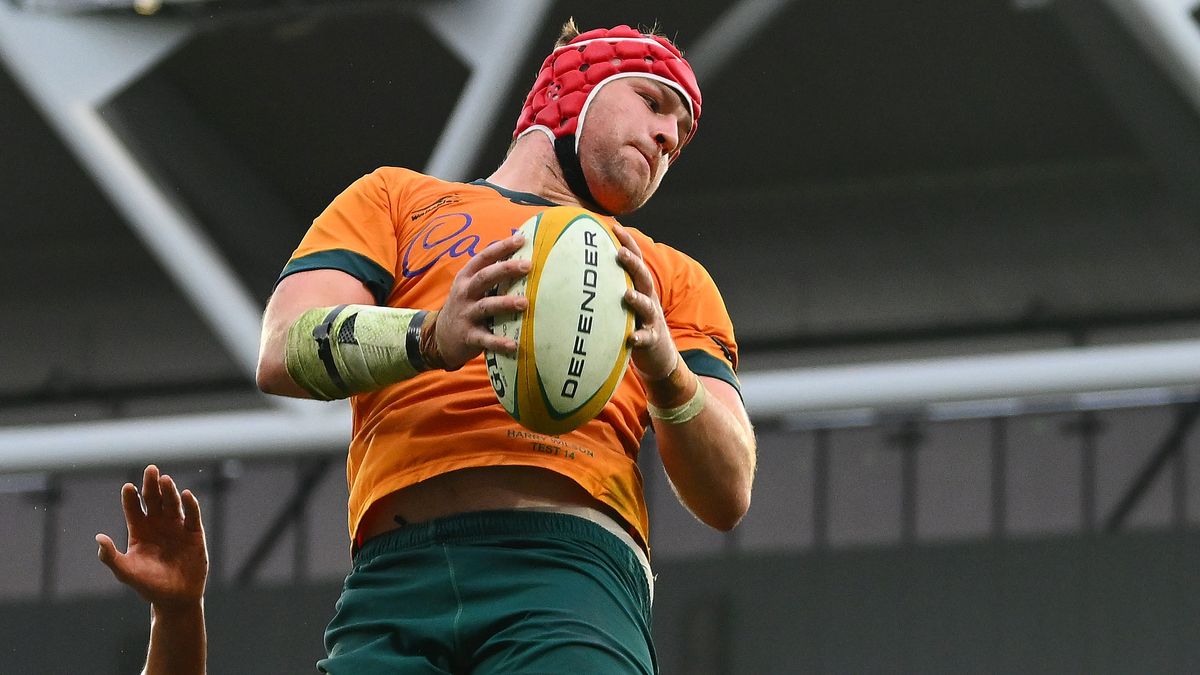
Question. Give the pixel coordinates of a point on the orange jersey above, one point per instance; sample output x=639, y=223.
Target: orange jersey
x=405, y=236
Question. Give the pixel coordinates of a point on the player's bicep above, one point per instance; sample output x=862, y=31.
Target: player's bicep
x=729, y=396
x=302, y=291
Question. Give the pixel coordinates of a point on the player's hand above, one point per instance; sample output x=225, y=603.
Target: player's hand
x=461, y=329
x=166, y=561
x=654, y=355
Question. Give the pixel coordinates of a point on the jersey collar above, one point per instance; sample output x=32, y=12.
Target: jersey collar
x=524, y=198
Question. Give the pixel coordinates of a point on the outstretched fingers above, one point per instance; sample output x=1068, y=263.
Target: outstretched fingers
x=170, y=497
x=191, y=512
x=113, y=559
x=131, y=505
x=151, y=492
x=107, y=553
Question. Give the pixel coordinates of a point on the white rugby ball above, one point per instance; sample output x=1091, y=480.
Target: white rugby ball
x=572, y=341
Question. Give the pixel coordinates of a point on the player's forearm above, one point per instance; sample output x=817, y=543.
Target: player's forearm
x=272, y=375
x=334, y=352
x=711, y=457
x=178, y=640
x=296, y=294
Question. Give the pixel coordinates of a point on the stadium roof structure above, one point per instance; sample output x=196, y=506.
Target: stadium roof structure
x=938, y=205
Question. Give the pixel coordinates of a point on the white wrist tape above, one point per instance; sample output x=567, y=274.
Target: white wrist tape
x=682, y=413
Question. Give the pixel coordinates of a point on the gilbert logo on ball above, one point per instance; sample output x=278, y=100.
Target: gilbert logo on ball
x=572, y=341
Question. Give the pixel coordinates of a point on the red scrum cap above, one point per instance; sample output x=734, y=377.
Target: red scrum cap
x=570, y=77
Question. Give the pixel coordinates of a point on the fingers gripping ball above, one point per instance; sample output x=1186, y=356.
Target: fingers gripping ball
x=572, y=341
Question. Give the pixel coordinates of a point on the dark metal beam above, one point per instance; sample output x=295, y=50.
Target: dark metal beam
x=999, y=451
x=1089, y=427
x=821, y=451
x=289, y=514
x=50, y=498
x=1184, y=421
x=908, y=440
x=1179, y=488
x=215, y=521
x=706, y=630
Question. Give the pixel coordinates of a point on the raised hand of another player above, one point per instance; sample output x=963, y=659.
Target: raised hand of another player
x=166, y=561
x=654, y=355
x=461, y=330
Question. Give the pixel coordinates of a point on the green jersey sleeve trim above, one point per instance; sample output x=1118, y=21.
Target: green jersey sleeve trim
x=527, y=198
x=377, y=279
x=701, y=362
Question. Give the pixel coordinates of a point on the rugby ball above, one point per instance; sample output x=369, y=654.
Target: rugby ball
x=572, y=341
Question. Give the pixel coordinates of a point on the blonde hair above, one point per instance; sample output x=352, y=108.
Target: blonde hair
x=570, y=31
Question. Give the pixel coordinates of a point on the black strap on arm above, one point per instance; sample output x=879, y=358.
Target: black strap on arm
x=325, y=351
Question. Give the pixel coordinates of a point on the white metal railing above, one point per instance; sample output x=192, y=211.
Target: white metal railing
x=967, y=386
x=1068, y=372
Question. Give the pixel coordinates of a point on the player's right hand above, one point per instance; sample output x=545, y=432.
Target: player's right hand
x=461, y=328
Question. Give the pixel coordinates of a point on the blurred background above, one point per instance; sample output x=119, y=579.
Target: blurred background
x=958, y=239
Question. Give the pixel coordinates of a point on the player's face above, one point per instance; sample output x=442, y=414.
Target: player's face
x=632, y=126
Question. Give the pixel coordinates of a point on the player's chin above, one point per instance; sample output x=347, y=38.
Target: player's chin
x=637, y=201
x=622, y=206
x=627, y=197
x=611, y=201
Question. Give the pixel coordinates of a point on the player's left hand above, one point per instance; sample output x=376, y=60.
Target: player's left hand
x=166, y=561
x=654, y=355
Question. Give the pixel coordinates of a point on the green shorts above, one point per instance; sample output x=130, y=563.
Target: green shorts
x=493, y=592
